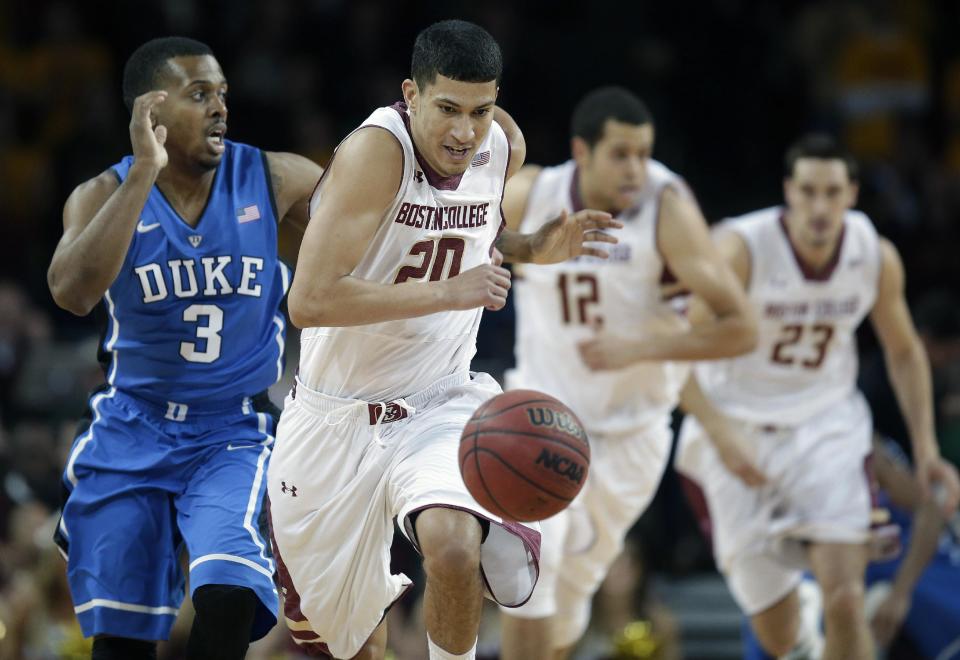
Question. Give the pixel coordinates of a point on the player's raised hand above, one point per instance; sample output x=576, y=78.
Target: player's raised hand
x=483, y=286
x=147, y=140
x=938, y=479
x=563, y=238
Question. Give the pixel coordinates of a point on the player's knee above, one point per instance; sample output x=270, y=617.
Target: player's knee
x=450, y=543
x=777, y=642
x=223, y=621
x=843, y=603
x=570, y=624
x=122, y=648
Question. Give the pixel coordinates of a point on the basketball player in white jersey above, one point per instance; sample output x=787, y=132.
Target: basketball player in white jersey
x=597, y=334
x=395, y=269
x=784, y=478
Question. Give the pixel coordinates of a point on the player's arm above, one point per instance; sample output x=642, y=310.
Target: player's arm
x=518, y=145
x=728, y=328
x=927, y=526
x=293, y=179
x=721, y=432
x=909, y=371
x=100, y=215
x=359, y=187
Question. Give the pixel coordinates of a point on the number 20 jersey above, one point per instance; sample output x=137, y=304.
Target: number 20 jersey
x=806, y=357
x=630, y=294
x=435, y=228
x=194, y=315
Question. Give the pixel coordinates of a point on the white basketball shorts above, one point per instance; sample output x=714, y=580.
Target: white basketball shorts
x=341, y=471
x=818, y=490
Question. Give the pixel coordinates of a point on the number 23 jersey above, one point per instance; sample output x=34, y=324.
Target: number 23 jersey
x=806, y=356
x=630, y=294
x=194, y=315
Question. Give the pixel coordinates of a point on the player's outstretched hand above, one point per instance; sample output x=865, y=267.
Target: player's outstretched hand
x=938, y=479
x=564, y=237
x=484, y=286
x=146, y=139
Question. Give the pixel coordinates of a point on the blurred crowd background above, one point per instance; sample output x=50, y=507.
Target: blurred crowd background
x=730, y=82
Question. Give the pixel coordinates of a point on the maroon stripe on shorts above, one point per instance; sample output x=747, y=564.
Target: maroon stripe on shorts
x=291, y=602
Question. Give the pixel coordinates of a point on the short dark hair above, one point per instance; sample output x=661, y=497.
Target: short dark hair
x=456, y=49
x=822, y=147
x=617, y=103
x=142, y=70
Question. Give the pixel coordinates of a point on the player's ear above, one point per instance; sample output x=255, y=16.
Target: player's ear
x=410, y=94
x=580, y=150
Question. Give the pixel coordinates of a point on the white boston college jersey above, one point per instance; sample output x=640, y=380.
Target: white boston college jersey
x=806, y=357
x=435, y=228
x=560, y=305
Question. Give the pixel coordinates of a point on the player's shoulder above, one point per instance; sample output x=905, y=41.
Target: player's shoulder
x=757, y=220
x=551, y=176
x=95, y=190
x=859, y=221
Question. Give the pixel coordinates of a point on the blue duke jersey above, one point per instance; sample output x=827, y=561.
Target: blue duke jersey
x=194, y=314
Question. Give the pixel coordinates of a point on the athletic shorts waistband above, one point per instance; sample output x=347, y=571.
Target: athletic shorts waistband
x=374, y=412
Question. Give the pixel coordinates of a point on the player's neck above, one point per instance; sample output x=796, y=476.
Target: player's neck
x=591, y=200
x=186, y=190
x=814, y=257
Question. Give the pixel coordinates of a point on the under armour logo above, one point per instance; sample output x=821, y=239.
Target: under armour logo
x=418, y=176
x=285, y=489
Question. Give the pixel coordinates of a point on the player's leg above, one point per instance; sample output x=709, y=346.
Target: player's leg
x=839, y=569
x=625, y=472
x=526, y=631
x=449, y=540
x=120, y=542
x=220, y=514
x=442, y=520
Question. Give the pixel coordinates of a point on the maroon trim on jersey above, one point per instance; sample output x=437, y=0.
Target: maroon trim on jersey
x=323, y=175
x=434, y=178
x=576, y=201
x=503, y=191
x=823, y=274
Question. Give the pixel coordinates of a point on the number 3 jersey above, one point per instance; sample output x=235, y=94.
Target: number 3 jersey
x=806, y=357
x=435, y=228
x=630, y=294
x=194, y=315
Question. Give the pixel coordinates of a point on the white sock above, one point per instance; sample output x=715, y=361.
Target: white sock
x=437, y=653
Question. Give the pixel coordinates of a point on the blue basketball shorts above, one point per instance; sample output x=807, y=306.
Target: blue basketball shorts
x=143, y=484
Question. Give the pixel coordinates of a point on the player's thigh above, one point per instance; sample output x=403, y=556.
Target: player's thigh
x=624, y=475
x=221, y=514
x=117, y=527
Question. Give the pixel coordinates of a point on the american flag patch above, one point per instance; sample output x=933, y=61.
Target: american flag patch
x=481, y=158
x=248, y=214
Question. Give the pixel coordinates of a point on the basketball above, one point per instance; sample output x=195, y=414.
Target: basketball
x=524, y=455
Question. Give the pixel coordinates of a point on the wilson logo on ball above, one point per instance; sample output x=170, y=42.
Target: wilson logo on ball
x=560, y=465
x=556, y=420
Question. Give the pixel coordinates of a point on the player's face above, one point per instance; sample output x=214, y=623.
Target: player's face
x=615, y=169
x=195, y=112
x=449, y=119
x=818, y=194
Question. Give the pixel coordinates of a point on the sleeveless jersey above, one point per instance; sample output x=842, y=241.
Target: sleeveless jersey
x=806, y=357
x=434, y=229
x=560, y=305
x=194, y=315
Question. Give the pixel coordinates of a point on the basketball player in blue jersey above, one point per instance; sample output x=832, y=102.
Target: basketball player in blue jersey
x=179, y=241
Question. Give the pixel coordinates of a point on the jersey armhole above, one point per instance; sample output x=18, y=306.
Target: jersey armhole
x=270, y=191
x=403, y=167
